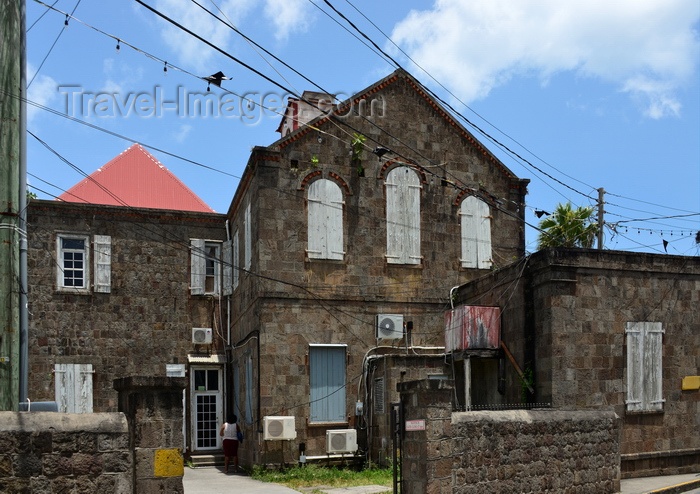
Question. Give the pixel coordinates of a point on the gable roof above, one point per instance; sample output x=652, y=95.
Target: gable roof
x=135, y=178
x=398, y=76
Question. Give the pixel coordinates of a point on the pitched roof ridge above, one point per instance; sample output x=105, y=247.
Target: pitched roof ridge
x=134, y=155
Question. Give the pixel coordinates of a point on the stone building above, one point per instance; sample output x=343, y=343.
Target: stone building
x=347, y=235
x=118, y=290
x=610, y=330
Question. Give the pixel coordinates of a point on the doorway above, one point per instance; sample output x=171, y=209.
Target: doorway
x=206, y=407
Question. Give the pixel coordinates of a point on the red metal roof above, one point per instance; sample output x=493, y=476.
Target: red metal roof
x=137, y=179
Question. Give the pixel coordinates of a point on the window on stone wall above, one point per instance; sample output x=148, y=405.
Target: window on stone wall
x=644, y=369
x=403, y=216
x=205, y=267
x=73, y=387
x=325, y=220
x=327, y=383
x=236, y=260
x=379, y=395
x=476, y=233
x=247, y=240
x=73, y=262
x=226, y=268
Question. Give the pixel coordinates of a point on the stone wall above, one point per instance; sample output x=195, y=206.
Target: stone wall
x=146, y=320
x=45, y=452
x=505, y=451
x=571, y=306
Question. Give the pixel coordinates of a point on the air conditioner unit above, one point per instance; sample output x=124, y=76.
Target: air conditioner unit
x=389, y=326
x=279, y=428
x=341, y=441
x=201, y=336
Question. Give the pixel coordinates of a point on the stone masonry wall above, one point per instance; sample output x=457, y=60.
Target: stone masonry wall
x=583, y=300
x=505, y=451
x=144, y=323
x=567, y=312
x=45, y=452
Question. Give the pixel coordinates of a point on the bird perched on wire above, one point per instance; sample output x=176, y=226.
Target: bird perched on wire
x=215, y=79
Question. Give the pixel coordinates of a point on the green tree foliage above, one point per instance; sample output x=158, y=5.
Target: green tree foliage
x=568, y=227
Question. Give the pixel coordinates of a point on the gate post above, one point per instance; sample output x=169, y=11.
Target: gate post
x=427, y=419
x=153, y=409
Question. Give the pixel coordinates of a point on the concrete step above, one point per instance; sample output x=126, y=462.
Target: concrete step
x=212, y=460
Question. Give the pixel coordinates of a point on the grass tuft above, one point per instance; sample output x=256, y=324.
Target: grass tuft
x=314, y=475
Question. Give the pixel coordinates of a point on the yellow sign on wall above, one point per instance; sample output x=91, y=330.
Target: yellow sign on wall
x=690, y=382
x=168, y=463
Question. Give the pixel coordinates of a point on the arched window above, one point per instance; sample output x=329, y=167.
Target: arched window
x=403, y=216
x=476, y=233
x=325, y=220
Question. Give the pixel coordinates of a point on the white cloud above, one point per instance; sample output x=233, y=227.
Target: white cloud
x=648, y=48
x=43, y=91
x=183, y=131
x=288, y=16
x=190, y=51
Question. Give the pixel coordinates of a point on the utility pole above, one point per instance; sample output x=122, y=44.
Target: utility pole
x=601, y=212
x=10, y=232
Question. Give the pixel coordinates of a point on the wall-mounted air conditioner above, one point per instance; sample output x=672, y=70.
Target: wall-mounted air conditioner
x=201, y=336
x=341, y=441
x=279, y=428
x=389, y=326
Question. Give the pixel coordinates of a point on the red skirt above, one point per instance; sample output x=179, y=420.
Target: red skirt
x=230, y=447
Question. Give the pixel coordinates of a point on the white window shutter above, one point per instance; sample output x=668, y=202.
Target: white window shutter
x=226, y=263
x=198, y=267
x=653, y=370
x=63, y=386
x=248, y=241
x=236, y=259
x=403, y=216
x=635, y=383
x=316, y=242
x=73, y=387
x=476, y=233
x=103, y=260
x=325, y=220
x=644, y=366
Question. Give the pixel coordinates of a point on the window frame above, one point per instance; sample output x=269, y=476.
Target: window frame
x=61, y=262
x=475, y=222
x=327, y=406
x=199, y=266
x=403, y=216
x=644, y=367
x=325, y=213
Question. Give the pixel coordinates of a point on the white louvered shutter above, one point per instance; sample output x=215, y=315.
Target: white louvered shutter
x=403, y=216
x=73, y=387
x=325, y=221
x=103, y=261
x=198, y=266
x=248, y=240
x=227, y=269
x=476, y=233
x=644, y=366
x=236, y=260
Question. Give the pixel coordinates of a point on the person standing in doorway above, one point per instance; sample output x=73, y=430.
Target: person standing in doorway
x=229, y=431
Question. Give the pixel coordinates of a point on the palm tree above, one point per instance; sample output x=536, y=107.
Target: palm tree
x=568, y=227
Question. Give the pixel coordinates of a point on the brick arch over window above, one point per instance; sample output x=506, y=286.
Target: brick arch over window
x=397, y=162
x=403, y=188
x=325, y=206
x=475, y=219
x=315, y=175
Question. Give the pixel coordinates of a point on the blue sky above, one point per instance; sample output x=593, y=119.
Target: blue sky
x=589, y=93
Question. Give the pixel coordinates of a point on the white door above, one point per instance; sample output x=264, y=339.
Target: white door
x=206, y=407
